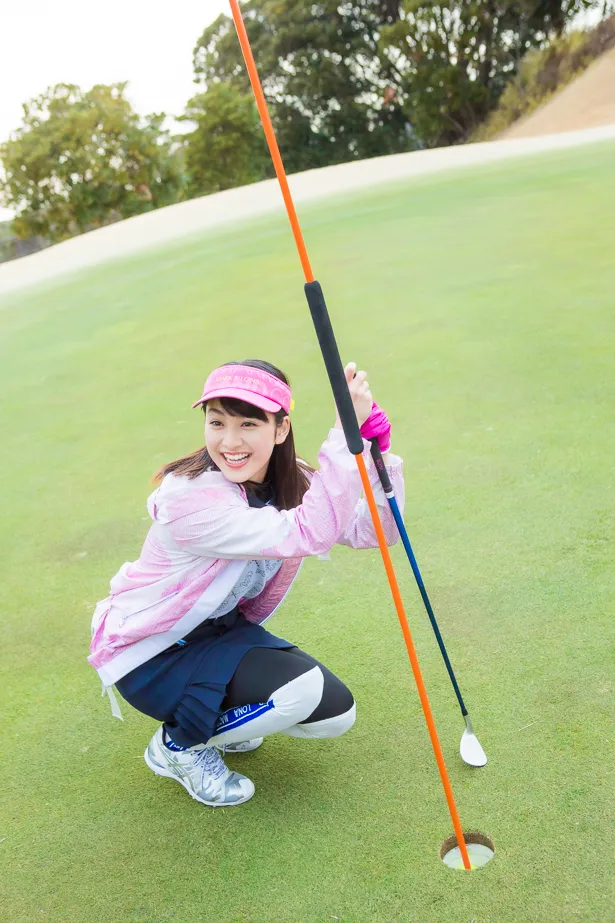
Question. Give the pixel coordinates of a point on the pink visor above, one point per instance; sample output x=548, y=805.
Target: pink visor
x=247, y=384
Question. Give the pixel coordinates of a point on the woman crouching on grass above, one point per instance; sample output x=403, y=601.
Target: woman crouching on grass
x=181, y=634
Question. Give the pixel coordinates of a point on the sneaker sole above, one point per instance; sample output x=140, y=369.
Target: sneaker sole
x=211, y=804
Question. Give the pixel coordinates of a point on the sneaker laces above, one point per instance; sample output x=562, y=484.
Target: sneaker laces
x=212, y=761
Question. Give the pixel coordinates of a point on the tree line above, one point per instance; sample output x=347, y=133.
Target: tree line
x=344, y=80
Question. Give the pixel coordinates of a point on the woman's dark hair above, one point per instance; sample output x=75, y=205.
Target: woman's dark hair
x=286, y=476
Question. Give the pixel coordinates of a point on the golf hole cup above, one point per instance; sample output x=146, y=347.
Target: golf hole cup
x=480, y=850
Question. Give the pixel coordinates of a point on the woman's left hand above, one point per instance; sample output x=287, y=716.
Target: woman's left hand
x=378, y=426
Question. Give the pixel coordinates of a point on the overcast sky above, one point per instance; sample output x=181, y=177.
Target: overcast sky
x=149, y=44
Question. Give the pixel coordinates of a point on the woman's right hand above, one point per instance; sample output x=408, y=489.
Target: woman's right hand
x=359, y=392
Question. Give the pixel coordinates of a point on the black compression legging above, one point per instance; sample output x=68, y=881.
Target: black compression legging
x=263, y=670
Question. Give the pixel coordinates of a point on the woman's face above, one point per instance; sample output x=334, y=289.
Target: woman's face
x=241, y=446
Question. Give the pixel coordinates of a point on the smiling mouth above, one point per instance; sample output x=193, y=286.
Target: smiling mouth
x=236, y=459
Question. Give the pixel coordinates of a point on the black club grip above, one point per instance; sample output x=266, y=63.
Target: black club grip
x=383, y=474
x=333, y=364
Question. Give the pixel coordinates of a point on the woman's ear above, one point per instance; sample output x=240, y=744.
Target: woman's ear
x=282, y=431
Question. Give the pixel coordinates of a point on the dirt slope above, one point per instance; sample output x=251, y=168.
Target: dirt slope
x=587, y=102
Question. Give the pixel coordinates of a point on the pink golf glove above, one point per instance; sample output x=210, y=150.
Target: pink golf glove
x=377, y=425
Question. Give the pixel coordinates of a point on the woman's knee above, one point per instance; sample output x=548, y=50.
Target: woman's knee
x=309, y=700
x=336, y=700
x=334, y=726
x=290, y=704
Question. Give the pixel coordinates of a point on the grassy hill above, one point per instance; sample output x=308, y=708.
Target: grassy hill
x=482, y=306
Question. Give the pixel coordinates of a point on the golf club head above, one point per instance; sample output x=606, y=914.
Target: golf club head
x=470, y=749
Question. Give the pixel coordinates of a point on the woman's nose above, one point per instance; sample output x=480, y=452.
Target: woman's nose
x=232, y=440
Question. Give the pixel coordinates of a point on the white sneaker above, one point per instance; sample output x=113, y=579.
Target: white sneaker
x=244, y=747
x=202, y=772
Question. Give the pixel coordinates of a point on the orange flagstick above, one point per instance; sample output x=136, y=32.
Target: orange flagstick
x=335, y=371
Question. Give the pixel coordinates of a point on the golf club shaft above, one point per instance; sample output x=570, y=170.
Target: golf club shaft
x=388, y=490
x=326, y=338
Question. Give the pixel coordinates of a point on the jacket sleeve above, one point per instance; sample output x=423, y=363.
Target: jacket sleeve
x=360, y=532
x=223, y=530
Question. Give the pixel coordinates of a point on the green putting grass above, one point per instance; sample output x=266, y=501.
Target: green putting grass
x=482, y=305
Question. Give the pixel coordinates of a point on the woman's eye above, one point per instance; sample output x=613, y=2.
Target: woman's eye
x=215, y=423
x=248, y=423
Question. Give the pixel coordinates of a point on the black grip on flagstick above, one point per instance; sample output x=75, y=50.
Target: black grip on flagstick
x=333, y=364
x=383, y=474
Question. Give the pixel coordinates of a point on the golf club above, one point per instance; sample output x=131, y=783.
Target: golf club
x=470, y=749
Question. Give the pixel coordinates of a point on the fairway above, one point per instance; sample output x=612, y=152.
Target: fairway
x=482, y=305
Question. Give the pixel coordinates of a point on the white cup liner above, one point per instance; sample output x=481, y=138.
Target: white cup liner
x=480, y=850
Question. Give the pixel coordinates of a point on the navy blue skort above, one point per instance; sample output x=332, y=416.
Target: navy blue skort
x=185, y=685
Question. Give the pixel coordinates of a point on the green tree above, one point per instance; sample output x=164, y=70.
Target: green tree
x=227, y=147
x=83, y=160
x=349, y=79
x=321, y=76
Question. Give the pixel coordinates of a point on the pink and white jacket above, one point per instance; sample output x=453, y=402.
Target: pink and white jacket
x=202, y=536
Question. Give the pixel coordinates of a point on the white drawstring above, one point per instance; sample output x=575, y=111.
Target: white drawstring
x=115, y=708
